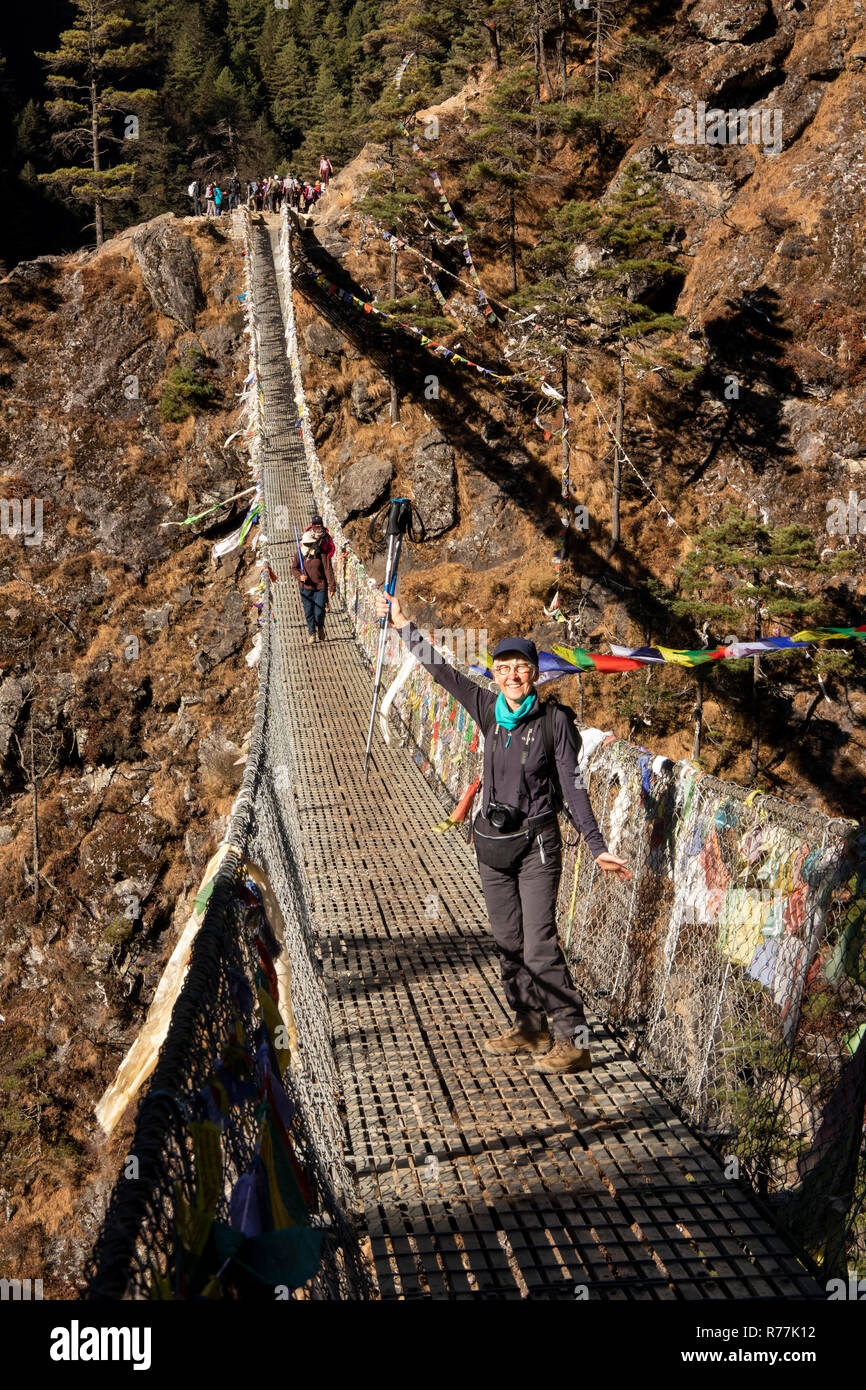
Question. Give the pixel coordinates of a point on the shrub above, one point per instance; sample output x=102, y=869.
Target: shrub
x=186, y=389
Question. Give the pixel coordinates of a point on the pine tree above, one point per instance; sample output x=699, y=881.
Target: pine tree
x=93, y=53
x=327, y=132
x=187, y=59
x=733, y=579
x=229, y=113
x=603, y=266
x=505, y=138
x=246, y=19
x=292, y=101
x=391, y=200
x=32, y=139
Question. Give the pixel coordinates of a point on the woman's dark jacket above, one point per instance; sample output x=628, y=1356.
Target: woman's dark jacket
x=531, y=793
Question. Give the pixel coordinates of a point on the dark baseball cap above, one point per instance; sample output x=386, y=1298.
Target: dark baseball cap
x=317, y=521
x=519, y=645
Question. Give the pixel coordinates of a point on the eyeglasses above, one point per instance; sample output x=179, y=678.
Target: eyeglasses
x=520, y=668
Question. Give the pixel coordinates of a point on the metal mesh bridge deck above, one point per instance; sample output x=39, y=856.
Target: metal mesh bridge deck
x=473, y=1178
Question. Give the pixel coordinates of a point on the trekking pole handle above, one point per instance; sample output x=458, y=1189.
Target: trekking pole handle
x=399, y=516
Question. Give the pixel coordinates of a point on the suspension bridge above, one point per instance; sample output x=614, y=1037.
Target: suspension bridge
x=433, y=1169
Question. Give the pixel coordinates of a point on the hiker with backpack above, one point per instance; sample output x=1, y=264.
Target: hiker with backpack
x=234, y=191
x=194, y=192
x=530, y=766
x=326, y=542
x=311, y=566
x=210, y=204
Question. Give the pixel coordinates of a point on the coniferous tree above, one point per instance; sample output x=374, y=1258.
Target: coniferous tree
x=292, y=99
x=505, y=139
x=604, y=267
x=732, y=579
x=92, y=54
x=245, y=22
x=32, y=136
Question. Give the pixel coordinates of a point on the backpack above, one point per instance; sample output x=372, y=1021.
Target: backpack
x=312, y=550
x=550, y=708
x=193, y=189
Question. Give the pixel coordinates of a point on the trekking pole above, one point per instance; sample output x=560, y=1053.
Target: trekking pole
x=300, y=556
x=400, y=517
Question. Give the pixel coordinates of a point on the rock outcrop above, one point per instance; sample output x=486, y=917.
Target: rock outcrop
x=121, y=658
x=361, y=485
x=169, y=270
x=433, y=482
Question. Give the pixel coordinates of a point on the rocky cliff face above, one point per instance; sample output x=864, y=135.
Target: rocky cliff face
x=122, y=676
x=768, y=209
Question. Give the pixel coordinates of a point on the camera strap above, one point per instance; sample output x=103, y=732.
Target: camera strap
x=527, y=742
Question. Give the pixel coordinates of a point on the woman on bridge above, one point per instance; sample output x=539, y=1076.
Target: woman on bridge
x=527, y=748
x=312, y=568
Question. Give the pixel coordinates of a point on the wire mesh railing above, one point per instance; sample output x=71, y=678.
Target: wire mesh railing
x=735, y=963
x=235, y=1184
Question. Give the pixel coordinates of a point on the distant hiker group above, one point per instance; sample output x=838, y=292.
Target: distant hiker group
x=210, y=198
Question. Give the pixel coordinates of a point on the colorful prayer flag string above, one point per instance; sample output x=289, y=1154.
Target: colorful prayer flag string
x=486, y=307
x=566, y=661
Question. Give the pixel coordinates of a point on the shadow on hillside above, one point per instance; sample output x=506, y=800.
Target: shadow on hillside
x=747, y=344
x=461, y=417
x=748, y=372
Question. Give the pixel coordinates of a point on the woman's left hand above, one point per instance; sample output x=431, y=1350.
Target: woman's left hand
x=612, y=864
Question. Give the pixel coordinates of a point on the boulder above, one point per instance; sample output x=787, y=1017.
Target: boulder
x=322, y=340
x=31, y=272
x=335, y=244
x=169, y=270
x=492, y=535
x=323, y=427
x=366, y=404
x=433, y=481
x=586, y=258
x=360, y=486
x=732, y=21
x=157, y=619
x=220, y=341
x=221, y=634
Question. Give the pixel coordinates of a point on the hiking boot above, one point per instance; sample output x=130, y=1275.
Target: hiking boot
x=311, y=637
x=519, y=1039
x=562, y=1058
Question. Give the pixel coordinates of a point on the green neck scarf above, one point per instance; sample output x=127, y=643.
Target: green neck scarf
x=508, y=718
